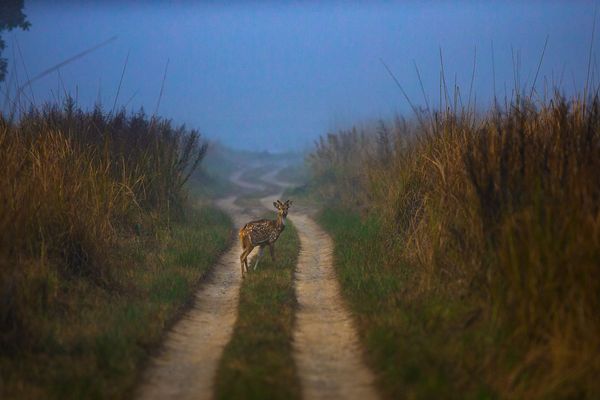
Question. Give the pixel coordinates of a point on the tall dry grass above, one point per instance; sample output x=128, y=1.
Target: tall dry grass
x=72, y=183
x=501, y=211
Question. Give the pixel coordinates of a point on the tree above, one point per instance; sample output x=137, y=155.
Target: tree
x=11, y=17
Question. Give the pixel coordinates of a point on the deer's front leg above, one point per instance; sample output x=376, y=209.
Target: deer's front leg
x=272, y=250
x=261, y=249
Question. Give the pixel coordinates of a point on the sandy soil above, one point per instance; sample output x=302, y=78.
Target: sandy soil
x=326, y=347
x=186, y=365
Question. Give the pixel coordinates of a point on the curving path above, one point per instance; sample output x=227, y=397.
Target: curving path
x=326, y=347
x=237, y=179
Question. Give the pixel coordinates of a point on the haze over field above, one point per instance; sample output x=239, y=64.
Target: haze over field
x=261, y=75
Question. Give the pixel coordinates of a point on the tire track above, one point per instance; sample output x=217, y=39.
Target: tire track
x=326, y=346
x=186, y=365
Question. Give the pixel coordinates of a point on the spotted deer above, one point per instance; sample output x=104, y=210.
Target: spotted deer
x=262, y=232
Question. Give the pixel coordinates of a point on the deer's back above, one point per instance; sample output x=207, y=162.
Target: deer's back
x=261, y=231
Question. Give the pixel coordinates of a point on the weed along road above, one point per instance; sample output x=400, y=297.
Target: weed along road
x=326, y=349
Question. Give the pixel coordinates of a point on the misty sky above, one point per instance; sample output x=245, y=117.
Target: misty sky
x=263, y=75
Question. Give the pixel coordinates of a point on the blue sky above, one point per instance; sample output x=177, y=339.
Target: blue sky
x=267, y=75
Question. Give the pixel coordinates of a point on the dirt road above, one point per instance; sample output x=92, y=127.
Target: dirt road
x=186, y=365
x=326, y=347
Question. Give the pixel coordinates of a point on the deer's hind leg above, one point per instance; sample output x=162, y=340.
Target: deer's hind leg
x=244, y=260
x=246, y=249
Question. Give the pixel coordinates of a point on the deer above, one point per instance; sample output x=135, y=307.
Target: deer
x=262, y=232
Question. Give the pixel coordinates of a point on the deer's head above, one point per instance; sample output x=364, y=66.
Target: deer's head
x=282, y=208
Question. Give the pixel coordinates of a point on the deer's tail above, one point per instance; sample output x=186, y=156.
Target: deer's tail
x=242, y=235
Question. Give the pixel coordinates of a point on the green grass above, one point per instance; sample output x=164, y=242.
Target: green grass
x=258, y=363
x=95, y=342
x=411, y=345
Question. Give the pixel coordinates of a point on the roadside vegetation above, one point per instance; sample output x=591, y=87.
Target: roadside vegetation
x=99, y=247
x=468, y=247
x=258, y=361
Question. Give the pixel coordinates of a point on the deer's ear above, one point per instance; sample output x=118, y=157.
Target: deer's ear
x=276, y=205
x=289, y=202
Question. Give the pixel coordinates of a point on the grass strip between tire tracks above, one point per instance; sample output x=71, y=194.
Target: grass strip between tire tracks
x=258, y=361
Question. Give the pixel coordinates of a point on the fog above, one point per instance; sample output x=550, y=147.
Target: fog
x=267, y=76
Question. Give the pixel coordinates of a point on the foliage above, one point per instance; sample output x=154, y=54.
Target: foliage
x=11, y=17
x=497, y=216
x=73, y=184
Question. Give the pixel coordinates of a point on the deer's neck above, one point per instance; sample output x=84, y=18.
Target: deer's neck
x=280, y=221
